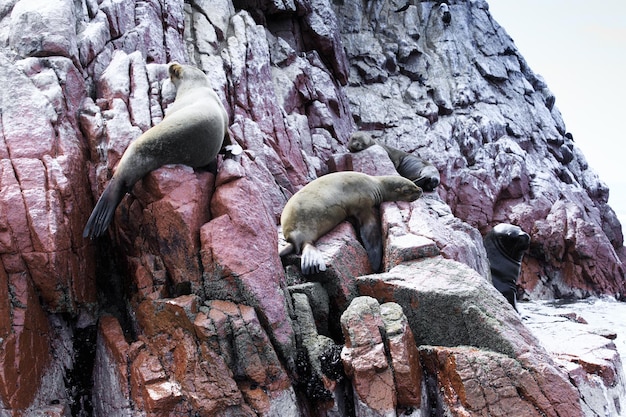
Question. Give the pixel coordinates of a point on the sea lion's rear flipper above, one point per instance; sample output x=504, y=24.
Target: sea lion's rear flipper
x=104, y=210
x=312, y=260
x=286, y=250
x=371, y=237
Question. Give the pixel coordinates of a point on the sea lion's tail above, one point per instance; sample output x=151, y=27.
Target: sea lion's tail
x=102, y=213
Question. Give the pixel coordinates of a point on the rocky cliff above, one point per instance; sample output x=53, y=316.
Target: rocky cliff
x=185, y=308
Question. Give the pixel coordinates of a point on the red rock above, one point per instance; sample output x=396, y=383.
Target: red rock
x=166, y=316
x=113, y=338
x=14, y=214
x=24, y=353
x=260, y=376
x=345, y=259
x=405, y=361
x=478, y=382
x=471, y=197
x=473, y=314
x=578, y=255
x=151, y=389
x=248, y=269
x=179, y=371
x=176, y=217
x=162, y=397
x=364, y=358
x=5, y=304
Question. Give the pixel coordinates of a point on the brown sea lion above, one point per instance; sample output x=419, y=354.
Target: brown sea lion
x=327, y=201
x=505, y=245
x=191, y=133
x=418, y=170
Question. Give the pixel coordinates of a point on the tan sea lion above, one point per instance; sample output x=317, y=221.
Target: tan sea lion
x=191, y=133
x=327, y=201
x=418, y=170
x=505, y=245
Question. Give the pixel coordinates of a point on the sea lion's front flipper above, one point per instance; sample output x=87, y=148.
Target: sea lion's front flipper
x=371, y=236
x=312, y=260
x=104, y=210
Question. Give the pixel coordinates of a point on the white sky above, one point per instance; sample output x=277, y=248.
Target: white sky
x=579, y=48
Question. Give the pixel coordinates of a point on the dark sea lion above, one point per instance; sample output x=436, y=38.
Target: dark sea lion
x=444, y=12
x=191, y=133
x=421, y=172
x=505, y=245
x=327, y=201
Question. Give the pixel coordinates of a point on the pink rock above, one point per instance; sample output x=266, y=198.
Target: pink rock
x=24, y=352
x=478, y=382
x=321, y=24
x=470, y=312
x=28, y=129
x=176, y=371
x=120, y=15
x=115, y=80
x=430, y=218
x=373, y=161
x=579, y=255
x=172, y=204
x=248, y=268
x=345, y=260
x=405, y=361
x=92, y=40
x=364, y=358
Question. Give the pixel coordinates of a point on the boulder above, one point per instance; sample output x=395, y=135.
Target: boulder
x=448, y=304
x=188, y=293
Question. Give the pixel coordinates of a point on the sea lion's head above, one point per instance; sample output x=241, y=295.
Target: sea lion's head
x=511, y=240
x=186, y=74
x=397, y=188
x=360, y=141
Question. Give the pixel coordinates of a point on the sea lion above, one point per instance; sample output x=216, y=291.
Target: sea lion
x=421, y=172
x=327, y=201
x=191, y=133
x=444, y=11
x=505, y=245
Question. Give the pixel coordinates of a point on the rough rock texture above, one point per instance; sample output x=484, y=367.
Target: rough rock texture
x=462, y=97
x=447, y=304
x=184, y=307
x=587, y=353
x=380, y=358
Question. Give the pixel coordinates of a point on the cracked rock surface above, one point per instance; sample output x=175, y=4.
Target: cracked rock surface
x=185, y=307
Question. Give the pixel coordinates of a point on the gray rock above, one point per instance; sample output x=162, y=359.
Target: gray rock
x=44, y=29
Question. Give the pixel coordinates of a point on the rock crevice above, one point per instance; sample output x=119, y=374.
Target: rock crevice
x=186, y=302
